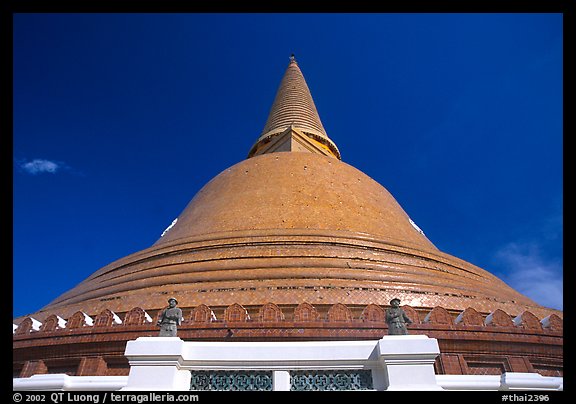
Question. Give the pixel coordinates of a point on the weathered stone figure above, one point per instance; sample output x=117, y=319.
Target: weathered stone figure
x=397, y=319
x=170, y=319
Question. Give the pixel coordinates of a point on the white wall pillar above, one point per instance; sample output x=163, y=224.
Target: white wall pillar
x=156, y=364
x=408, y=362
x=281, y=380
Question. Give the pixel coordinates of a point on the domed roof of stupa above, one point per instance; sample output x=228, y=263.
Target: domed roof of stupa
x=289, y=224
x=296, y=191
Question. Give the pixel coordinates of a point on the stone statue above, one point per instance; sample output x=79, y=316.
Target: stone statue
x=170, y=319
x=397, y=319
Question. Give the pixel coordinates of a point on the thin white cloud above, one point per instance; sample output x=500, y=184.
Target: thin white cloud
x=531, y=274
x=40, y=166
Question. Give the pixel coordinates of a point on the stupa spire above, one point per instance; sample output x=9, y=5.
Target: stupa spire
x=294, y=110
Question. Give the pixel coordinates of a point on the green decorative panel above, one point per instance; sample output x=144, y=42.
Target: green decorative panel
x=231, y=380
x=321, y=380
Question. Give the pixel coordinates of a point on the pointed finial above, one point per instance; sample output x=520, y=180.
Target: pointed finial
x=292, y=58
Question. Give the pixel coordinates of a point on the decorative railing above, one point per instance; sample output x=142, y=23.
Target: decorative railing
x=231, y=380
x=300, y=380
x=235, y=313
x=323, y=380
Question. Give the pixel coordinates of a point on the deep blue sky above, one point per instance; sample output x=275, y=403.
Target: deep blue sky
x=119, y=119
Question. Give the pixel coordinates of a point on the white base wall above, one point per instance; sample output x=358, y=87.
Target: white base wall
x=403, y=362
x=62, y=382
x=505, y=382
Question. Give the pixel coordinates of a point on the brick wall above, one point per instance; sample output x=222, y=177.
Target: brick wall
x=470, y=343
